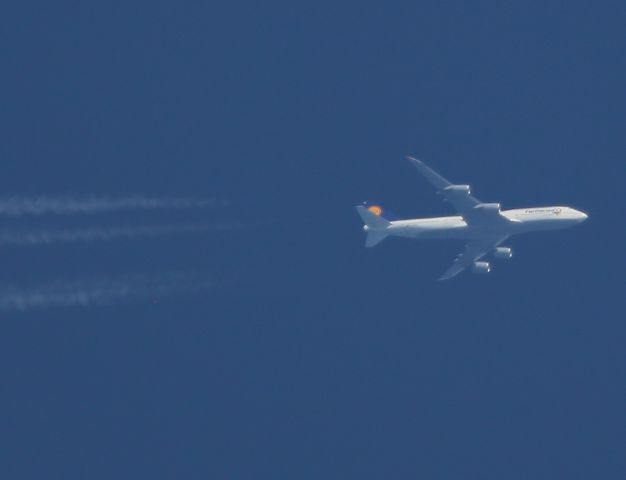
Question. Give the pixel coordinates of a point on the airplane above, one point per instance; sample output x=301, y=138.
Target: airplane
x=485, y=226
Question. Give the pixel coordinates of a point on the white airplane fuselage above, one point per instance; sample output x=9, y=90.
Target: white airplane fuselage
x=484, y=226
x=521, y=220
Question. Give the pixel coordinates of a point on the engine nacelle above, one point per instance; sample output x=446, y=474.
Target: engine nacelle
x=481, y=267
x=489, y=207
x=459, y=189
x=502, y=253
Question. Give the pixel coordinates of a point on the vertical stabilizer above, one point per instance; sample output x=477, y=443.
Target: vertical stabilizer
x=372, y=216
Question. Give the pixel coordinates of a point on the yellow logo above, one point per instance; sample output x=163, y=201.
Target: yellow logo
x=376, y=210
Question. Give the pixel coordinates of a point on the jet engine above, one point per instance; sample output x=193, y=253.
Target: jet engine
x=502, y=253
x=459, y=189
x=489, y=207
x=481, y=267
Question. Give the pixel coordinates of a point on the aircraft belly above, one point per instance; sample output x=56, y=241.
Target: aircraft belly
x=451, y=227
x=464, y=232
x=443, y=233
x=461, y=231
x=547, y=224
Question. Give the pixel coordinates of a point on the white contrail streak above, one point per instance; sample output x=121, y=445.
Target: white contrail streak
x=99, y=292
x=17, y=206
x=86, y=235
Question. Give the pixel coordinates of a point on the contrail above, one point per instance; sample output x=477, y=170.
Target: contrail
x=17, y=206
x=86, y=235
x=100, y=292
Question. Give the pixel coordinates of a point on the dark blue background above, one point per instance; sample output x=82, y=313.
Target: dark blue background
x=313, y=357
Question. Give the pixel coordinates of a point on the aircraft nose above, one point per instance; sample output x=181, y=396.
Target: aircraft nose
x=583, y=216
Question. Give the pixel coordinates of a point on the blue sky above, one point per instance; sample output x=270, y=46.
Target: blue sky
x=309, y=356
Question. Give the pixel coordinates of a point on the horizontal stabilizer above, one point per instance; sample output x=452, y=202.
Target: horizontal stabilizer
x=375, y=237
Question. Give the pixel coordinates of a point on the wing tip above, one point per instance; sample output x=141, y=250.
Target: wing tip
x=453, y=271
x=446, y=277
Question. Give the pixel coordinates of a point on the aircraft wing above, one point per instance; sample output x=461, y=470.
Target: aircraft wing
x=474, y=251
x=457, y=195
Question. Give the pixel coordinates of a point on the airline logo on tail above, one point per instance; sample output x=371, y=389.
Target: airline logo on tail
x=376, y=210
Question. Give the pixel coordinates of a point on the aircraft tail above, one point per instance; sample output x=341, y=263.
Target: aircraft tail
x=374, y=238
x=375, y=224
